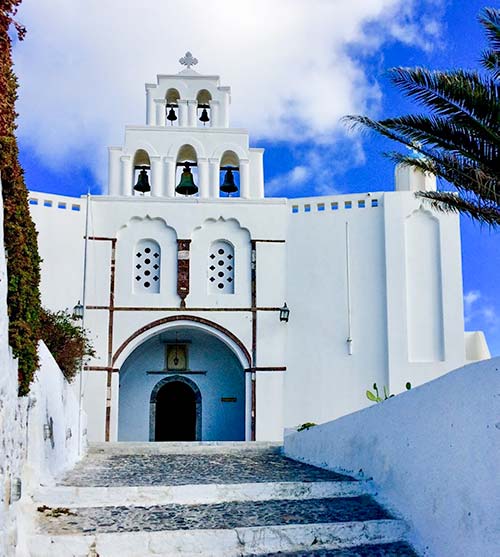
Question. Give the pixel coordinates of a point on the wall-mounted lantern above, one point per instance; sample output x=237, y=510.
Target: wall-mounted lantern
x=284, y=313
x=78, y=311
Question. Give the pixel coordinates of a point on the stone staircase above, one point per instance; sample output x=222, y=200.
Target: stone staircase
x=212, y=499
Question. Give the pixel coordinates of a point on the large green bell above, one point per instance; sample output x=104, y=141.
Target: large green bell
x=186, y=185
x=228, y=185
x=142, y=182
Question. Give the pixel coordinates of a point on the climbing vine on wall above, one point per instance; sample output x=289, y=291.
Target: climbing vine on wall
x=23, y=261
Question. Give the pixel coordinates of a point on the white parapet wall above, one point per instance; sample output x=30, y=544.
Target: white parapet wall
x=53, y=424
x=433, y=453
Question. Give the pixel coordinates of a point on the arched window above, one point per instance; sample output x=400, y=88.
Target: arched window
x=142, y=173
x=229, y=178
x=147, y=267
x=172, y=97
x=204, y=97
x=187, y=163
x=221, y=268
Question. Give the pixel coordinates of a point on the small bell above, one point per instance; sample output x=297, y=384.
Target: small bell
x=186, y=185
x=142, y=182
x=204, y=116
x=171, y=116
x=228, y=186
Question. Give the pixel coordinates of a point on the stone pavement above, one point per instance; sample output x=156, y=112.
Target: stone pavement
x=131, y=500
x=243, y=466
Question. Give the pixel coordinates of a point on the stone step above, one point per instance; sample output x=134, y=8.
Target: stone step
x=110, y=469
x=245, y=541
x=233, y=514
x=180, y=447
x=70, y=496
x=398, y=549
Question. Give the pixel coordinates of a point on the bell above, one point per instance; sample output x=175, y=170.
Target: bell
x=142, y=182
x=228, y=186
x=171, y=116
x=186, y=185
x=204, y=116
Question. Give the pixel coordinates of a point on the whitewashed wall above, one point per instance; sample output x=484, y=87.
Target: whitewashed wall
x=12, y=421
x=53, y=402
x=378, y=269
x=433, y=454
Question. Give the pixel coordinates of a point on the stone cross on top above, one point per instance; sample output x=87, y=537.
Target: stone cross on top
x=188, y=60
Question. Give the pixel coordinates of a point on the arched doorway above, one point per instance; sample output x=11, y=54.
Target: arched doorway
x=175, y=410
x=215, y=369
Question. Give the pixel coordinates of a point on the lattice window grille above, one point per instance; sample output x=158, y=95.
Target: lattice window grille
x=147, y=267
x=221, y=268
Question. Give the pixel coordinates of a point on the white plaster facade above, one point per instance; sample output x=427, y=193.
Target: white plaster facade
x=373, y=280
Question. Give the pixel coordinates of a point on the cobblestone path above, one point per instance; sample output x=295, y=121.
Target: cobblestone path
x=133, y=500
x=243, y=466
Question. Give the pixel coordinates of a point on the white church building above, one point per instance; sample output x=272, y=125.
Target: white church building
x=184, y=268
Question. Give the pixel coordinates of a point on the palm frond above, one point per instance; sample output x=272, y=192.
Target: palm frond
x=490, y=20
x=466, y=178
x=457, y=94
x=491, y=61
x=439, y=132
x=448, y=201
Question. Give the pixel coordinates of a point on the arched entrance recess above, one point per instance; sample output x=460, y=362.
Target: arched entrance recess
x=217, y=364
x=175, y=410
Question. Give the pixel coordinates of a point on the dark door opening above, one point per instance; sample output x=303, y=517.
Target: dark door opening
x=175, y=418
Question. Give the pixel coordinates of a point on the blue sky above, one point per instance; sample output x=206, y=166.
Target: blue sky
x=295, y=68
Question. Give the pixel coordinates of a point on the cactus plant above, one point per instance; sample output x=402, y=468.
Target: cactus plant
x=375, y=396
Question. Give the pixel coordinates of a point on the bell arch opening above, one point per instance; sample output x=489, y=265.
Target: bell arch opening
x=141, y=172
x=203, y=99
x=229, y=174
x=172, y=97
x=186, y=171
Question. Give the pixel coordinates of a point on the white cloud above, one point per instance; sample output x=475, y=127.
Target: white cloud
x=83, y=64
x=289, y=181
x=479, y=310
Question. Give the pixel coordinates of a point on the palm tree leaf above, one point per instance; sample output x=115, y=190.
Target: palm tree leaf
x=438, y=132
x=448, y=201
x=490, y=20
x=491, y=61
x=466, y=179
x=460, y=94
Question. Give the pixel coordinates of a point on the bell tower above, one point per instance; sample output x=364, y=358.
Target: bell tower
x=187, y=148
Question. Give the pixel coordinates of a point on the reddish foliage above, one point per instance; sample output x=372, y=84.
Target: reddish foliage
x=23, y=262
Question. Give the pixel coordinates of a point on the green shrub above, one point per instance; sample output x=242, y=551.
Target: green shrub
x=68, y=342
